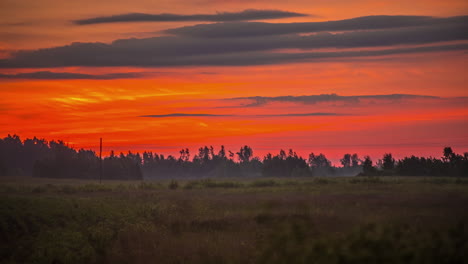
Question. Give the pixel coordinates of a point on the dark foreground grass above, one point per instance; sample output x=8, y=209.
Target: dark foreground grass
x=315, y=220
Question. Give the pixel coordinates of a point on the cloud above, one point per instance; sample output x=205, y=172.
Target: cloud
x=48, y=75
x=253, y=29
x=323, y=98
x=184, y=115
x=251, y=116
x=17, y=24
x=300, y=114
x=170, y=51
x=249, y=14
x=233, y=59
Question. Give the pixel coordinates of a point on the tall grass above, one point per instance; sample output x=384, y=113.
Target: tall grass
x=310, y=220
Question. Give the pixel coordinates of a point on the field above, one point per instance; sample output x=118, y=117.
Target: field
x=303, y=220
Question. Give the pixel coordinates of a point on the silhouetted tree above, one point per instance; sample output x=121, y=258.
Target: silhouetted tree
x=367, y=167
x=388, y=163
x=346, y=160
x=284, y=166
x=222, y=152
x=320, y=165
x=123, y=167
x=355, y=160
x=204, y=154
x=448, y=154
x=245, y=154
x=282, y=154
x=184, y=155
x=56, y=159
x=318, y=161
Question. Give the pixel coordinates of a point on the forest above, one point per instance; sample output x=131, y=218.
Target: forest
x=55, y=159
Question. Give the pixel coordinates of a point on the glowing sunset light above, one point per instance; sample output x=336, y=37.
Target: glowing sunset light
x=337, y=77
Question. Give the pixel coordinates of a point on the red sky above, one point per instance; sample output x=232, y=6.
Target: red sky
x=208, y=90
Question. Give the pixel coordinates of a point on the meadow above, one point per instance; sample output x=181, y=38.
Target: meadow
x=244, y=220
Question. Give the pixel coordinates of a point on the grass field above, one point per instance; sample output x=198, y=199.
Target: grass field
x=313, y=220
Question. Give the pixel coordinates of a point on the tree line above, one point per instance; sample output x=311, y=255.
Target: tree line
x=55, y=159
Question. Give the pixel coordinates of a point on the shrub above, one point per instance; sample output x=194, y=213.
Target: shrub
x=173, y=185
x=264, y=183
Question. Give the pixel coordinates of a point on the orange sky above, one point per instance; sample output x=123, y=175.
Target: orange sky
x=80, y=111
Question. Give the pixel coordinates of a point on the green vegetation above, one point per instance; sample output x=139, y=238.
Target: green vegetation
x=266, y=220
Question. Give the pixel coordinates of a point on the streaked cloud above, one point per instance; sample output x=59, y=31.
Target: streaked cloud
x=71, y=55
x=48, y=75
x=253, y=29
x=249, y=14
x=300, y=114
x=184, y=115
x=324, y=98
x=248, y=116
x=171, y=51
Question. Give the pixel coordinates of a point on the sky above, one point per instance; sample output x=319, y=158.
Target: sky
x=324, y=76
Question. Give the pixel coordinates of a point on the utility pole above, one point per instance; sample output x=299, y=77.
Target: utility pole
x=100, y=161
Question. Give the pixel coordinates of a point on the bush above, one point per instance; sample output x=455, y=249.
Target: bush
x=366, y=179
x=173, y=185
x=220, y=184
x=264, y=183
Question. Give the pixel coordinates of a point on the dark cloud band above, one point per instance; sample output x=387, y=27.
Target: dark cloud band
x=48, y=75
x=253, y=29
x=236, y=59
x=250, y=14
x=172, y=51
x=251, y=116
x=184, y=115
x=324, y=98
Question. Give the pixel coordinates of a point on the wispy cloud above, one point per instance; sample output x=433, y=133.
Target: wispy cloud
x=249, y=116
x=184, y=115
x=299, y=114
x=323, y=98
x=249, y=14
